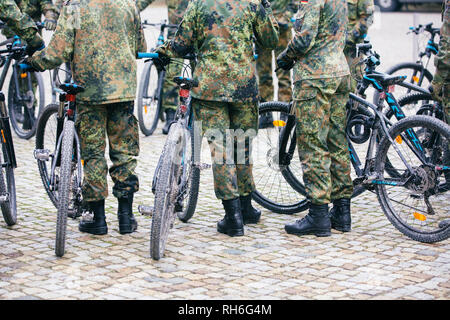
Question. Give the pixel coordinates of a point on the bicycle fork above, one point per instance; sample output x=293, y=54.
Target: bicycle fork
x=6, y=137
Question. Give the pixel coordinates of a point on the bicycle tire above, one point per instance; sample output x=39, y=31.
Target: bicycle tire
x=415, y=67
x=165, y=190
x=400, y=223
x=44, y=171
x=8, y=207
x=142, y=107
x=64, y=186
x=12, y=107
x=194, y=182
x=274, y=203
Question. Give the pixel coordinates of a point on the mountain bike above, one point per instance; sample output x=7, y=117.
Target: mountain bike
x=26, y=93
x=7, y=165
x=177, y=175
x=150, y=90
x=406, y=163
x=417, y=72
x=59, y=159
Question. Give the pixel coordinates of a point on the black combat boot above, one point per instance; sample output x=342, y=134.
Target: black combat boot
x=232, y=223
x=127, y=222
x=170, y=116
x=98, y=225
x=340, y=217
x=249, y=213
x=316, y=222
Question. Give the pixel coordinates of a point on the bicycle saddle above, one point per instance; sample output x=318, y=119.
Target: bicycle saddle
x=387, y=80
x=71, y=88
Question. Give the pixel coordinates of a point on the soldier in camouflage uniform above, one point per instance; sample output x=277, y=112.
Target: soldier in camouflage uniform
x=21, y=24
x=176, y=9
x=360, y=17
x=321, y=88
x=101, y=39
x=221, y=32
x=283, y=10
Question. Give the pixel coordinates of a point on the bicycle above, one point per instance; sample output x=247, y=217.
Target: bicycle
x=417, y=72
x=55, y=80
x=62, y=179
x=8, y=163
x=177, y=175
x=424, y=138
x=26, y=92
x=150, y=90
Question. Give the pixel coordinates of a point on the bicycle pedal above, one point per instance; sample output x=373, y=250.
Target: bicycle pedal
x=203, y=166
x=4, y=198
x=146, y=210
x=42, y=154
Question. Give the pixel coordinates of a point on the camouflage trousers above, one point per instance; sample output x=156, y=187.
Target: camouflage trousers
x=170, y=88
x=321, y=141
x=117, y=122
x=264, y=69
x=229, y=129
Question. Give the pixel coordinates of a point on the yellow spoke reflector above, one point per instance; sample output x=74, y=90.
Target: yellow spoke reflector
x=399, y=140
x=3, y=135
x=419, y=216
x=82, y=162
x=23, y=75
x=145, y=109
x=416, y=79
x=279, y=123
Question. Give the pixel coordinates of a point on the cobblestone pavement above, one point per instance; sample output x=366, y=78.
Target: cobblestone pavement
x=374, y=261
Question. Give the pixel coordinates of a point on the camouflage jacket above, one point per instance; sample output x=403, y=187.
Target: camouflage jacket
x=35, y=9
x=221, y=33
x=320, y=33
x=101, y=39
x=19, y=22
x=360, y=18
x=176, y=8
x=442, y=59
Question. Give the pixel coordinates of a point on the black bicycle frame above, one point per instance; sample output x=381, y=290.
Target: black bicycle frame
x=6, y=137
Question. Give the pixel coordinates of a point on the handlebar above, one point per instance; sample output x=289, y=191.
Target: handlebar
x=162, y=24
x=147, y=55
x=428, y=28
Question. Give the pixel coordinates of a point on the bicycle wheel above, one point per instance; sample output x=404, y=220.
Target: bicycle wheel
x=415, y=73
x=149, y=99
x=416, y=202
x=187, y=197
x=46, y=140
x=275, y=189
x=64, y=186
x=8, y=191
x=166, y=191
x=25, y=106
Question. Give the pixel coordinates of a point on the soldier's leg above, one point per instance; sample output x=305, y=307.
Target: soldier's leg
x=283, y=76
x=91, y=127
x=123, y=135
x=244, y=124
x=341, y=182
x=264, y=70
x=215, y=121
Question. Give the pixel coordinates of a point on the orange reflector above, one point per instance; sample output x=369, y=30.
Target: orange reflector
x=23, y=75
x=3, y=136
x=419, y=216
x=82, y=162
x=279, y=123
x=145, y=109
x=399, y=140
x=416, y=79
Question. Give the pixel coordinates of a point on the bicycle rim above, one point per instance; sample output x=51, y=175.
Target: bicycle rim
x=416, y=203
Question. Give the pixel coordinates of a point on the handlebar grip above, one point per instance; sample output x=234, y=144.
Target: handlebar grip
x=25, y=67
x=147, y=55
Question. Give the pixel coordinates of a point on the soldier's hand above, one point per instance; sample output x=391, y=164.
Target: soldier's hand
x=265, y=3
x=36, y=44
x=50, y=24
x=163, y=59
x=25, y=65
x=284, y=62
